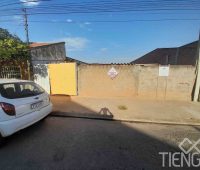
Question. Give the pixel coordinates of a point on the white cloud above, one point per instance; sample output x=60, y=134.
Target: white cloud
x=69, y=20
x=75, y=43
x=87, y=23
x=30, y=2
x=103, y=49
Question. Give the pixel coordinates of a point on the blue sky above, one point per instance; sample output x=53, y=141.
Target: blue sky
x=106, y=42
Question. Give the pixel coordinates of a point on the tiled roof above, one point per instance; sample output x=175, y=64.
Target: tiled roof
x=38, y=44
x=183, y=55
x=69, y=59
x=41, y=44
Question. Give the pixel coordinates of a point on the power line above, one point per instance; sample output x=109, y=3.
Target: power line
x=102, y=6
x=99, y=11
x=112, y=4
x=113, y=7
x=121, y=21
x=6, y=2
x=103, y=3
x=110, y=21
x=20, y=2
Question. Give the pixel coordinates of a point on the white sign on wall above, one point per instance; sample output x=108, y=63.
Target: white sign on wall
x=112, y=73
x=164, y=71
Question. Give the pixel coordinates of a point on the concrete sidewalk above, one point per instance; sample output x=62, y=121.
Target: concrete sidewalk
x=128, y=109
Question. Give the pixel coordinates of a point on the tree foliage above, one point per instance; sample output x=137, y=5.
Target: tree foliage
x=4, y=34
x=11, y=47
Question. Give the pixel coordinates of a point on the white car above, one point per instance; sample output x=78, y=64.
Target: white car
x=22, y=103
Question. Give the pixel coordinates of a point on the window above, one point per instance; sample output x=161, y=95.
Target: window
x=20, y=90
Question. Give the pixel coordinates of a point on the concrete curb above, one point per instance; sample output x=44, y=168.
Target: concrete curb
x=126, y=120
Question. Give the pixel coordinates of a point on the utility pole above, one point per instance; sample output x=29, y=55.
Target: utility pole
x=197, y=84
x=26, y=25
x=29, y=62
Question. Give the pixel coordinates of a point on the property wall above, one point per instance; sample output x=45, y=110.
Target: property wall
x=94, y=81
x=177, y=86
x=140, y=81
x=51, y=53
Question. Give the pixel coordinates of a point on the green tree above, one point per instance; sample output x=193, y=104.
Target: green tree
x=4, y=34
x=11, y=47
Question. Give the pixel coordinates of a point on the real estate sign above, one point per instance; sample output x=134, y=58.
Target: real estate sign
x=112, y=73
x=164, y=71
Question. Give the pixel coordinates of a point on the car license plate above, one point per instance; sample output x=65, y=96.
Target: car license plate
x=36, y=105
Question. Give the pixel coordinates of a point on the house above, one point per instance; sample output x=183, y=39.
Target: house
x=183, y=55
x=45, y=53
x=41, y=53
x=69, y=60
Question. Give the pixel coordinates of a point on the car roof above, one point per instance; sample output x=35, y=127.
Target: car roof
x=2, y=81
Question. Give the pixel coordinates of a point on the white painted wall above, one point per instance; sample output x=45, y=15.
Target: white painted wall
x=41, y=76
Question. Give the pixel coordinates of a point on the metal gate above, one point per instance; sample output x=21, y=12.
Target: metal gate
x=63, y=78
x=9, y=72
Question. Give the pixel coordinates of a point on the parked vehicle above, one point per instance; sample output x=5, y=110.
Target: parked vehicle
x=22, y=103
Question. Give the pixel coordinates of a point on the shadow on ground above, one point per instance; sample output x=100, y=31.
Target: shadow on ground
x=128, y=109
x=74, y=109
x=68, y=143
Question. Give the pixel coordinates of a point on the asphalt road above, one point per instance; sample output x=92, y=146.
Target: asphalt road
x=73, y=143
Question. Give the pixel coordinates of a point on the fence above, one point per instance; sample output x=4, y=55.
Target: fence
x=8, y=72
x=142, y=81
x=17, y=69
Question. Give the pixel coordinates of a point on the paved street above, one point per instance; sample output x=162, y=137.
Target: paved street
x=73, y=143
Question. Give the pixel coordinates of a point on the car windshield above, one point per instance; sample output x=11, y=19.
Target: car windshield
x=20, y=90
